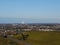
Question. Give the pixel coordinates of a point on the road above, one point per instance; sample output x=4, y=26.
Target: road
x=20, y=42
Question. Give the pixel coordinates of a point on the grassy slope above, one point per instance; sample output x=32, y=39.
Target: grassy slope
x=44, y=38
x=4, y=41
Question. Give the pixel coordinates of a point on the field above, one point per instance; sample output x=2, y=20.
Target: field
x=36, y=38
x=43, y=38
x=5, y=41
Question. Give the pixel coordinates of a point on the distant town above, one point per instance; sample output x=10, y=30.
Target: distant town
x=10, y=29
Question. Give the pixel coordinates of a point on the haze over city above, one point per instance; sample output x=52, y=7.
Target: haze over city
x=30, y=11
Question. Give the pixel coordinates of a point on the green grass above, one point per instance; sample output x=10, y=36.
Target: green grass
x=41, y=38
x=5, y=41
x=44, y=38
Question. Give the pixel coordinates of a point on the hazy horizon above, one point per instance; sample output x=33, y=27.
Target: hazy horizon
x=27, y=20
x=30, y=11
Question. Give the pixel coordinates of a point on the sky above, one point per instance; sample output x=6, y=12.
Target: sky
x=44, y=10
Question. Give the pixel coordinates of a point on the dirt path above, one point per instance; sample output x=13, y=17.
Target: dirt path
x=19, y=41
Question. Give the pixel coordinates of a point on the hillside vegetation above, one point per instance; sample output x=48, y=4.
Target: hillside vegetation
x=41, y=38
x=5, y=41
x=44, y=38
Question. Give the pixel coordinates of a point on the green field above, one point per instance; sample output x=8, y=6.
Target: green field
x=5, y=41
x=44, y=38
